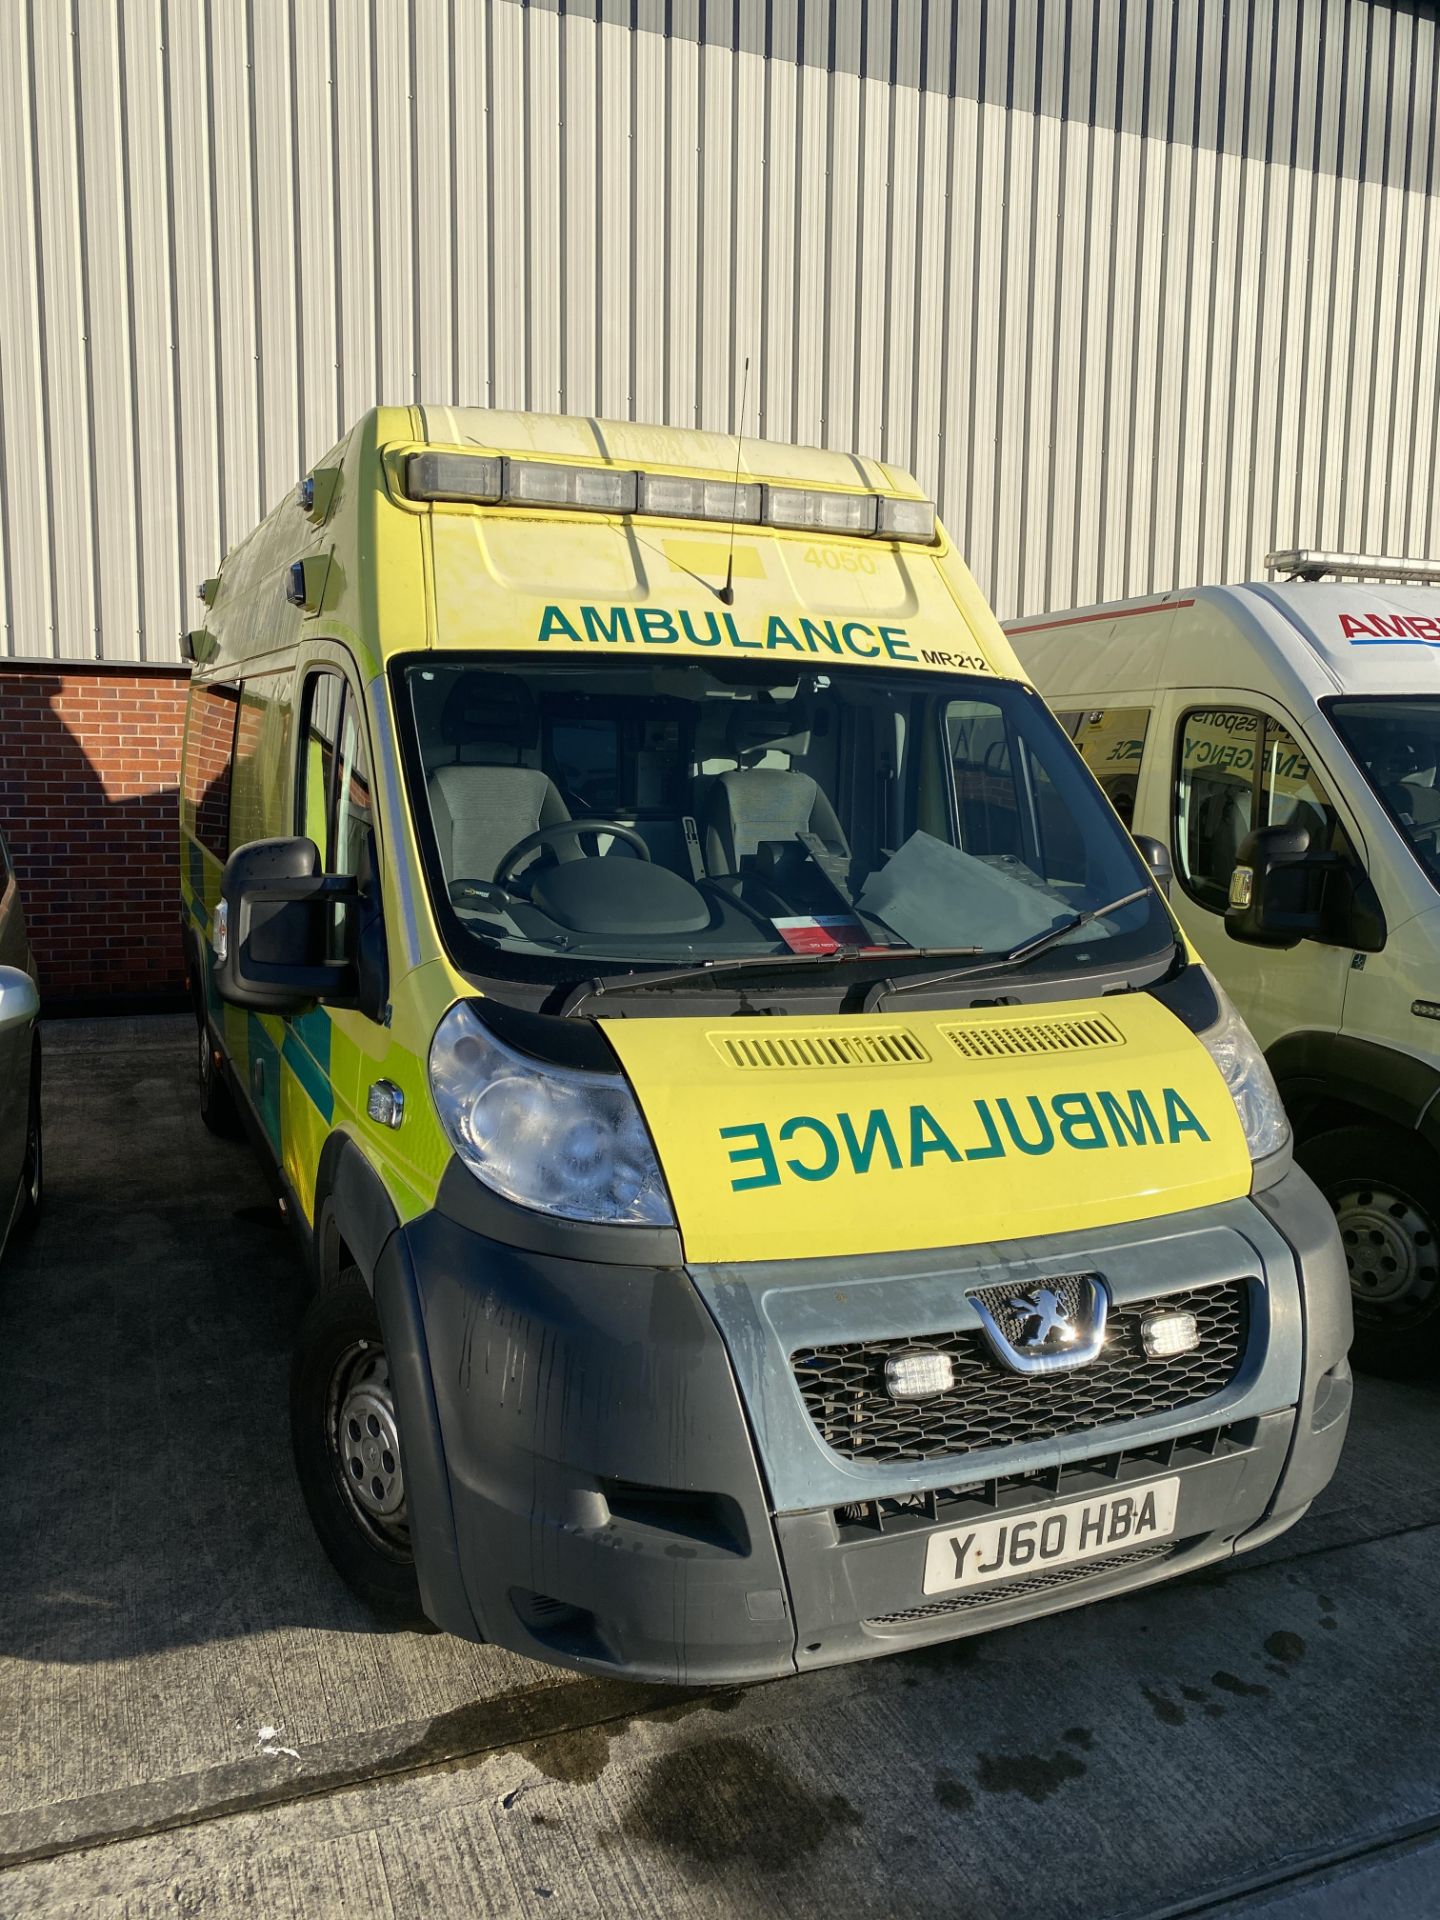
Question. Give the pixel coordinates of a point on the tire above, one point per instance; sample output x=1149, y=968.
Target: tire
x=32, y=1192
x=217, y=1103
x=1383, y=1183
x=342, y=1418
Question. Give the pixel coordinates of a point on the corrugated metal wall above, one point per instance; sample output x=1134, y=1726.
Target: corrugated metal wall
x=1138, y=291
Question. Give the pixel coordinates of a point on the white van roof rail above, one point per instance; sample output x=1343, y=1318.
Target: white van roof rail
x=1312, y=563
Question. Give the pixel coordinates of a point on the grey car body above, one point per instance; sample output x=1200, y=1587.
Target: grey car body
x=20, y=1151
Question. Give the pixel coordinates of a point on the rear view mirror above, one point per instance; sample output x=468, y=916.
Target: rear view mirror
x=271, y=935
x=19, y=1001
x=1156, y=856
x=1282, y=893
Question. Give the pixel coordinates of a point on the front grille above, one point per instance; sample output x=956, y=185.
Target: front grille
x=1020, y=1493
x=1020, y=1589
x=843, y=1386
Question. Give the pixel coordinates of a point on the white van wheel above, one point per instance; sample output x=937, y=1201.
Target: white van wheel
x=1381, y=1182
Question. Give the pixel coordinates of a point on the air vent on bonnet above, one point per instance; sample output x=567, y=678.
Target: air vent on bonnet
x=893, y=1047
x=996, y=1039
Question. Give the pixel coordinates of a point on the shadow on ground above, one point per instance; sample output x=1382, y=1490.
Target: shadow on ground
x=147, y=1328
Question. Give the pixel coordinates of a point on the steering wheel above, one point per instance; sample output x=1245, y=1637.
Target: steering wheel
x=565, y=830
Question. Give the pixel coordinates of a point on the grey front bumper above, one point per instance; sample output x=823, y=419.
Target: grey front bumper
x=612, y=1467
x=1250, y=1459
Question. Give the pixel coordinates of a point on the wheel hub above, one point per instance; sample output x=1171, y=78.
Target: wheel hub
x=1390, y=1250
x=365, y=1439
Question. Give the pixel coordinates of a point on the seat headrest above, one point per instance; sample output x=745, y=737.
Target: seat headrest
x=754, y=726
x=490, y=710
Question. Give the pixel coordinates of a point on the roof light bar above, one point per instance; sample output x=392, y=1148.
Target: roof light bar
x=453, y=476
x=906, y=519
x=544, y=483
x=803, y=508
x=494, y=480
x=670, y=497
x=1312, y=563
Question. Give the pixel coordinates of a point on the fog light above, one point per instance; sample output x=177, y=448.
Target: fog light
x=1166, y=1334
x=918, y=1376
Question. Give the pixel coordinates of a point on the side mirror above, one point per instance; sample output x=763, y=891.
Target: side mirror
x=271, y=930
x=19, y=1000
x=1156, y=856
x=1281, y=893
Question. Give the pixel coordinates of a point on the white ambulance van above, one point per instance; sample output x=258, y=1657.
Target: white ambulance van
x=1282, y=742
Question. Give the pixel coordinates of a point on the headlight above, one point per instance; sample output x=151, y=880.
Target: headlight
x=566, y=1143
x=1251, y=1083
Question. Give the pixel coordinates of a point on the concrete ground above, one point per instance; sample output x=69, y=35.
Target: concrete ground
x=197, y=1718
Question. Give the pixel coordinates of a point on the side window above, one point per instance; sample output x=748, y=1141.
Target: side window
x=985, y=791
x=332, y=787
x=315, y=778
x=1008, y=806
x=1239, y=770
x=1291, y=794
x=209, y=758
x=1112, y=744
x=354, y=813
x=261, y=764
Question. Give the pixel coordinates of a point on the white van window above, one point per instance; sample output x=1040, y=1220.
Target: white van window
x=1396, y=741
x=1238, y=770
x=1112, y=744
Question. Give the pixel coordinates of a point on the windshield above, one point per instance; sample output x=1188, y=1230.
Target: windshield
x=577, y=815
x=1396, y=742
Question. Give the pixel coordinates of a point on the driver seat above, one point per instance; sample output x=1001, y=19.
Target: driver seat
x=484, y=799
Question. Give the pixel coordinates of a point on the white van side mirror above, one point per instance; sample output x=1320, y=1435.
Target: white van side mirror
x=1282, y=892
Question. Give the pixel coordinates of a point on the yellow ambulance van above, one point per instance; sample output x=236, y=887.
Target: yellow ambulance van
x=1282, y=739
x=778, y=1183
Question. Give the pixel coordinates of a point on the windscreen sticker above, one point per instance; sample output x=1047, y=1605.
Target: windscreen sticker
x=826, y=933
x=1378, y=629
x=808, y=1148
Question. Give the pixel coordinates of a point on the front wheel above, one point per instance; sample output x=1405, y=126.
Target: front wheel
x=217, y=1104
x=1383, y=1184
x=346, y=1437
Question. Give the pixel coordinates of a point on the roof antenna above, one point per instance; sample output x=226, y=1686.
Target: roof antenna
x=727, y=592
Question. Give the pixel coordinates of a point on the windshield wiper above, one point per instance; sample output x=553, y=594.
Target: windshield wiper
x=1016, y=957
x=750, y=962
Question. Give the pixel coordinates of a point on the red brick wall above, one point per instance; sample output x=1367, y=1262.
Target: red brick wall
x=89, y=771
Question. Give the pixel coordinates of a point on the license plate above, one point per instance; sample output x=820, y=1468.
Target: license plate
x=991, y=1550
